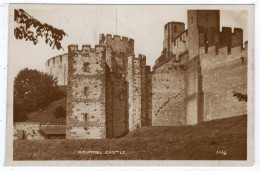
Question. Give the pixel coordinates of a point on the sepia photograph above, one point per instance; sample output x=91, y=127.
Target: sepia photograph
x=130, y=83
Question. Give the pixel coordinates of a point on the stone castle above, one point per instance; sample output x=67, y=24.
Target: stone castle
x=110, y=92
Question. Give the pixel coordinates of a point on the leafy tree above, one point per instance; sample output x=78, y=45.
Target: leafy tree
x=29, y=28
x=240, y=96
x=33, y=90
x=59, y=112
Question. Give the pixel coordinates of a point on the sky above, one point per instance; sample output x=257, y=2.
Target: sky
x=84, y=23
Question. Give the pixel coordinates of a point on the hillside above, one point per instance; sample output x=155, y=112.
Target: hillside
x=224, y=139
x=46, y=115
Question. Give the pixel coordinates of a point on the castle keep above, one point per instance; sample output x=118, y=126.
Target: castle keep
x=110, y=91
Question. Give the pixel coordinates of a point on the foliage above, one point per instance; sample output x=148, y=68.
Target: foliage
x=33, y=90
x=25, y=25
x=59, y=112
x=240, y=96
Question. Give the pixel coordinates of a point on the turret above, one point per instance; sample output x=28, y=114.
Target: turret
x=172, y=30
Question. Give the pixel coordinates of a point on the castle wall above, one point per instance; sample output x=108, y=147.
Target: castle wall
x=168, y=94
x=143, y=91
x=27, y=130
x=117, y=43
x=208, y=23
x=117, y=49
x=149, y=79
x=193, y=34
x=120, y=107
x=223, y=73
x=230, y=39
x=58, y=67
x=121, y=46
x=237, y=37
x=194, y=93
x=180, y=44
x=109, y=101
x=203, y=25
x=86, y=103
x=134, y=75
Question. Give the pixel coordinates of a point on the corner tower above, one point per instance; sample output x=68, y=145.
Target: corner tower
x=172, y=30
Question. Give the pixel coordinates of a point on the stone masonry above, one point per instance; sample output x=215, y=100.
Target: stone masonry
x=111, y=92
x=106, y=89
x=210, y=66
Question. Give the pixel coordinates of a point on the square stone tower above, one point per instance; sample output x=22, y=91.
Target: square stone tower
x=86, y=93
x=203, y=27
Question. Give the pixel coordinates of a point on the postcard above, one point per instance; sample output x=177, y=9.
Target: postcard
x=132, y=85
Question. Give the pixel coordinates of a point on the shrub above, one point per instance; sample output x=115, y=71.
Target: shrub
x=240, y=96
x=59, y=112
x=33, y=90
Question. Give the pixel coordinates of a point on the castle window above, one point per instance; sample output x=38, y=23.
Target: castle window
x=175, y=28
x=85, y=116
x=242, y=59
x=121, y=96
x=60, y=58
x=86, y=91
x=86, y=67
x=53, y=61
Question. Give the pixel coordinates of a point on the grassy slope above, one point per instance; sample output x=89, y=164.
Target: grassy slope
x=199, y=142
x=46, y=115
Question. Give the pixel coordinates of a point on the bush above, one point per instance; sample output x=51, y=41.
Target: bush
x=240, y=96
x=59, y=112
x=33, y=90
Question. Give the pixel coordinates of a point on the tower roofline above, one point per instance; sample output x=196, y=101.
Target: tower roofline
x=174, y=22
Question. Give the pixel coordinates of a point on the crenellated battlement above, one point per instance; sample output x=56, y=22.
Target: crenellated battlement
x=103, y=37
x=57, y=66
x=222, y=50
x=222, y=38
x=86, y=47
x=56, y=60
x=174, y=58
x=140, y=57
x=117, y=43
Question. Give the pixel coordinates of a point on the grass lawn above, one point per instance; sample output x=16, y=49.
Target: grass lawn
x=224, y=139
